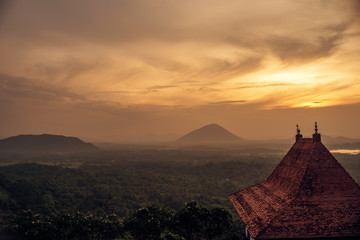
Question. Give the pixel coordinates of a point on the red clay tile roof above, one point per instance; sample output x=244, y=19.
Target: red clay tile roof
x=308, y=195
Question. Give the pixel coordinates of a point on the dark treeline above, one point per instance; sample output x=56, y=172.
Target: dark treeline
x=192, y=222
x=118, y=195
x=122, y=185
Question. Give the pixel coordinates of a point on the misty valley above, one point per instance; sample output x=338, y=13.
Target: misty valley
x=126, y=180
x=58, y=187
x=108, y=187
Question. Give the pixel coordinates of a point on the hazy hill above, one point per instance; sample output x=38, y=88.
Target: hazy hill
x=354, y=145
x=337, y=141
x=211, y=134
x=44, y=143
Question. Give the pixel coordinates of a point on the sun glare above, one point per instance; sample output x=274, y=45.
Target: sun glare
x=297, y=77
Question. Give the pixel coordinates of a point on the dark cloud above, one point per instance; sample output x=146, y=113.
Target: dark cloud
x=201, y=90
x=110, y=22
x=4, y=4
x=157, y=87
x=65, y=70
x=15, y=88
x=111, y=92
x=357, y=7
x=19, y=89
x=209, y=70
x=295, y=50
x=229, y=102
x=218, y=69
x=85, y=26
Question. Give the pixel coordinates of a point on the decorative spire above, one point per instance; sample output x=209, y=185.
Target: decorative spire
x=316, y=135
x=298, y=135
x=297, y=129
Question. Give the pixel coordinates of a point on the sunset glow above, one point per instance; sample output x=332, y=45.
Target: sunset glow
x=144, y=66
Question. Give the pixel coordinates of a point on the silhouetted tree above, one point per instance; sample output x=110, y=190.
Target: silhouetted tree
x=31, y=225
x=148, y=223
x=170, y=236
x=220, y=222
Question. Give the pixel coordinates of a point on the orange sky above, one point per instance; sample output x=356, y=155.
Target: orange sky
x=110, y=69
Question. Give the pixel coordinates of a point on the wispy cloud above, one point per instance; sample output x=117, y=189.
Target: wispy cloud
x=296, y=50
x=323, y=94
x=23, y=88
x=136, y=59
x=158, y=87
x=201, y=90
x=229, y=102
x=263, y=85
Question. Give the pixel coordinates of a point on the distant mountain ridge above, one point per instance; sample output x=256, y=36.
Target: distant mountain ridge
x=44, y=143
x=212, y=134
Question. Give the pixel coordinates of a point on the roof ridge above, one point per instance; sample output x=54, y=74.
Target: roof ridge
x=292, y=199
x=292, y=196
x=307, y=169
x=284, y=207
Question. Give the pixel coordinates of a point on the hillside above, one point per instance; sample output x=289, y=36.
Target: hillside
x=44, y=143
x=211, y=134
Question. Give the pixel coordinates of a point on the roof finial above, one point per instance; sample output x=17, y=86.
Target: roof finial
x=297, y=129
x=298, y=135
x=316, y=135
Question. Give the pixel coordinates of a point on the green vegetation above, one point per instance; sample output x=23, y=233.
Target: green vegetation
x=128, y=182
x=193, y=222
x=117, y=195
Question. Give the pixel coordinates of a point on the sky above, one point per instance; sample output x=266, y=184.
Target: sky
x=129, y=69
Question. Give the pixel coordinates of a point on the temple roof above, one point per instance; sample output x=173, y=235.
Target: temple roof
x=308, y=195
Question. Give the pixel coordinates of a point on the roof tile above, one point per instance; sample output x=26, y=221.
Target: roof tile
x=308, y=195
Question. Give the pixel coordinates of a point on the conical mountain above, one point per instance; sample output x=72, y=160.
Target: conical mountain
x=211, y=134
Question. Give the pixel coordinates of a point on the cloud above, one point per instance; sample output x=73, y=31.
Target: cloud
x=114, y=54
x=297, y=50
x=15, y=88
x=157, y=87
x=3, y=9
x=32, y=106
x=229, y=102
x=20, y=90
x=67, y=69
x=176, y=39
x=222, y=69
x=262, y=85
x=201, y=90
x=320, y=94
x=124, y=68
